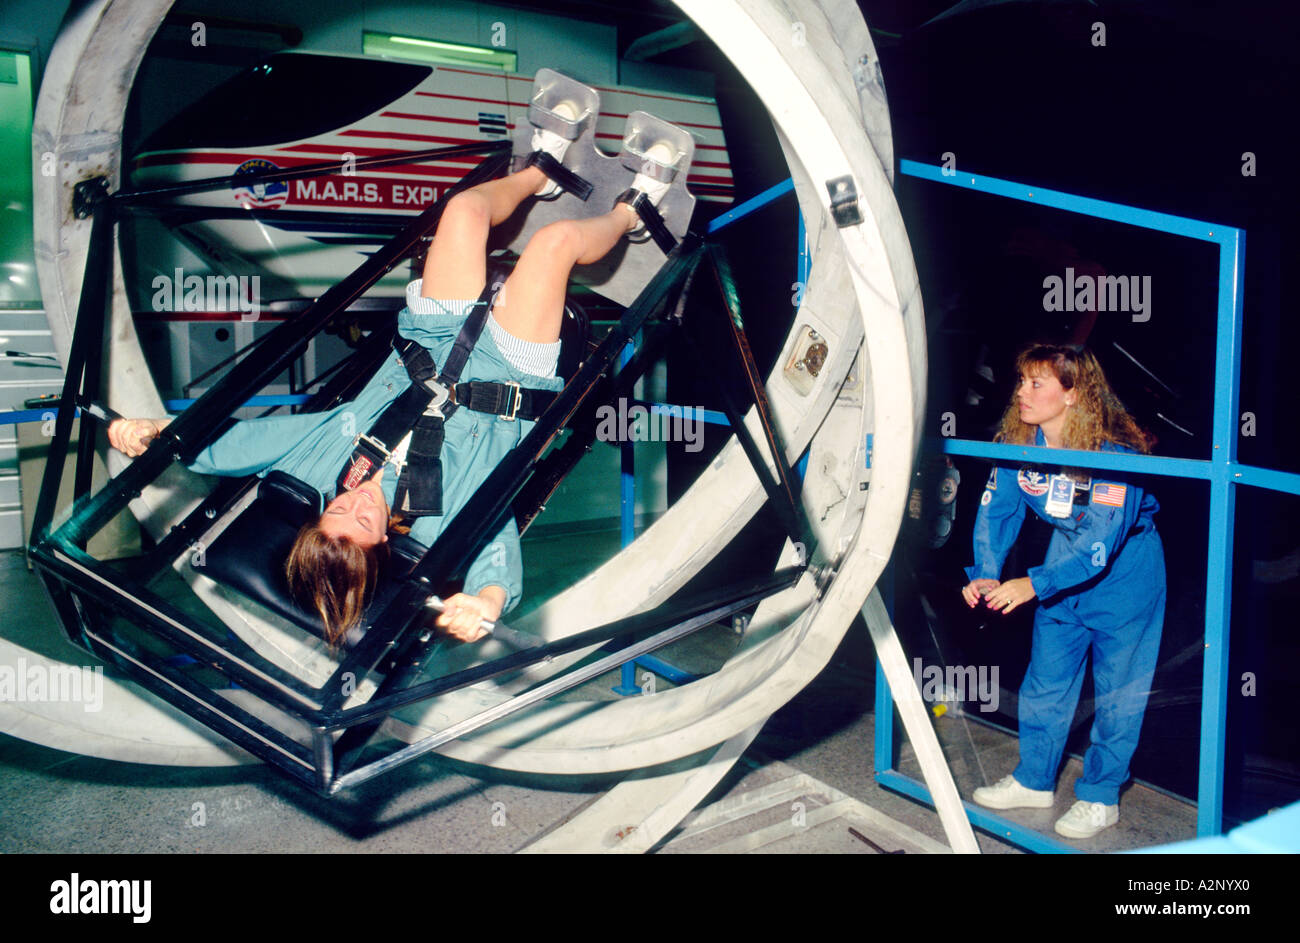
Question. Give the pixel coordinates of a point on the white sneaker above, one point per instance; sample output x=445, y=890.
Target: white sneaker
x=659, y=156
x=1086, y=819
x=662, y=155
x=554, y=144
x=1009, y=794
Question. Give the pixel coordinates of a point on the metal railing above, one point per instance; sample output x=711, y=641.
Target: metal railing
x=1219, y=468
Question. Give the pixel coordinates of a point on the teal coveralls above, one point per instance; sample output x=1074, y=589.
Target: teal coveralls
x=314, y=446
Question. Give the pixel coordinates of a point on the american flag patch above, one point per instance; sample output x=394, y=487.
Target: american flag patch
x=1112, y=495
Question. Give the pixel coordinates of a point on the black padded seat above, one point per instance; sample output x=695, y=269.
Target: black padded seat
x=249, y=555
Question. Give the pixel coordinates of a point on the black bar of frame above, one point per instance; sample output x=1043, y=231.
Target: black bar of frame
x=87, y=336
x=117, y=648
x=152, y=194
x=86, y=436
x=551, y=471
x=780, y=491
x=757, y=389
x=165, y=680
x=103, y=586
x=638, y=624
x=207, y=707
x=675, y=631
x=362, y=224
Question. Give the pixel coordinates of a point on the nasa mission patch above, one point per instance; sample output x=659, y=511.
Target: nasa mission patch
x=1032, y=482
x=262, y=195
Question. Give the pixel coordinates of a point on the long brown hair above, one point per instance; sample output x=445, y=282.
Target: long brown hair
x=334, y=578
x=1097, y=416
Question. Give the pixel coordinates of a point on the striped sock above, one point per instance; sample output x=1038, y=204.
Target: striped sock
x=421, y=305
x=537, y=359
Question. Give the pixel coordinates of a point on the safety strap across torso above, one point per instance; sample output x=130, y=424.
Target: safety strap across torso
x=422, y=410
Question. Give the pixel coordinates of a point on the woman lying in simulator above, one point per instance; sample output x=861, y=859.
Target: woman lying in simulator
x=333, y=567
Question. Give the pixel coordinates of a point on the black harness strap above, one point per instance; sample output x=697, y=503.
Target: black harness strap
x=423, y=408
x=650, y=218
x=510, y=401
x=562, y=175
x=419, y=489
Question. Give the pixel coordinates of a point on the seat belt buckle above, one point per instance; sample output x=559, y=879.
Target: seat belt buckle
x=371, y=443
x=516, y=400
x=441, y=394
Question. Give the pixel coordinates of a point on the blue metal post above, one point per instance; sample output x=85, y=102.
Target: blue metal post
x=1223, y=495
x=627, y=518
x=804, y=266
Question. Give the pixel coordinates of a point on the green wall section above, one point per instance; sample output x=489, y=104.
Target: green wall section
x=18, y=286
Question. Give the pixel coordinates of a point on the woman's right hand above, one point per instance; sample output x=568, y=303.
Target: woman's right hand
x=132, y=436
x=973, y=591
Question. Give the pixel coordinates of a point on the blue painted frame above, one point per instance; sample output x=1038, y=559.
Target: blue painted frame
x=1221, y=469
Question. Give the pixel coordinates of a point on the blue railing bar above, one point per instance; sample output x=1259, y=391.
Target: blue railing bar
x=282, y=399
x=804, y=266
x=665, y=670
x=697, y=412
x=627, y=685
x=15, y=416
x=1103, y=209
x=1081, y=458
x=1218, y=565
x=1269, y=478
x=627, y=490
x=1014, y=832
x=752, y=204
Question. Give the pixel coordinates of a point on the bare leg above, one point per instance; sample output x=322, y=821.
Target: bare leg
x=456, y=266
x=531, y=305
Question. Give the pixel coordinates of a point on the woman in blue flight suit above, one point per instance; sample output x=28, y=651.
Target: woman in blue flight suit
x=1101, y=587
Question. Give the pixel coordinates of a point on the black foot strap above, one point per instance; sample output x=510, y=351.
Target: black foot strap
x=562, y=175
x=650, y=218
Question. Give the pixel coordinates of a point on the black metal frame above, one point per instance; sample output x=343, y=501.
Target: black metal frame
x=89, y=594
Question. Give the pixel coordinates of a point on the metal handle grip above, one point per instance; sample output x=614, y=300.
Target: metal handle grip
x=498, y=630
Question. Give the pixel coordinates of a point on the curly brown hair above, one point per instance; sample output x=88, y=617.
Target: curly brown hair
x=1097, y=417
x=334, y=578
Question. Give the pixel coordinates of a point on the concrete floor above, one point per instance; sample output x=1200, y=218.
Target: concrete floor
x=820, y=745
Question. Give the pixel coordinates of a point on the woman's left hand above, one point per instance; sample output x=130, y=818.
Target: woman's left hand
x=463, y=613
x=1010, y=594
